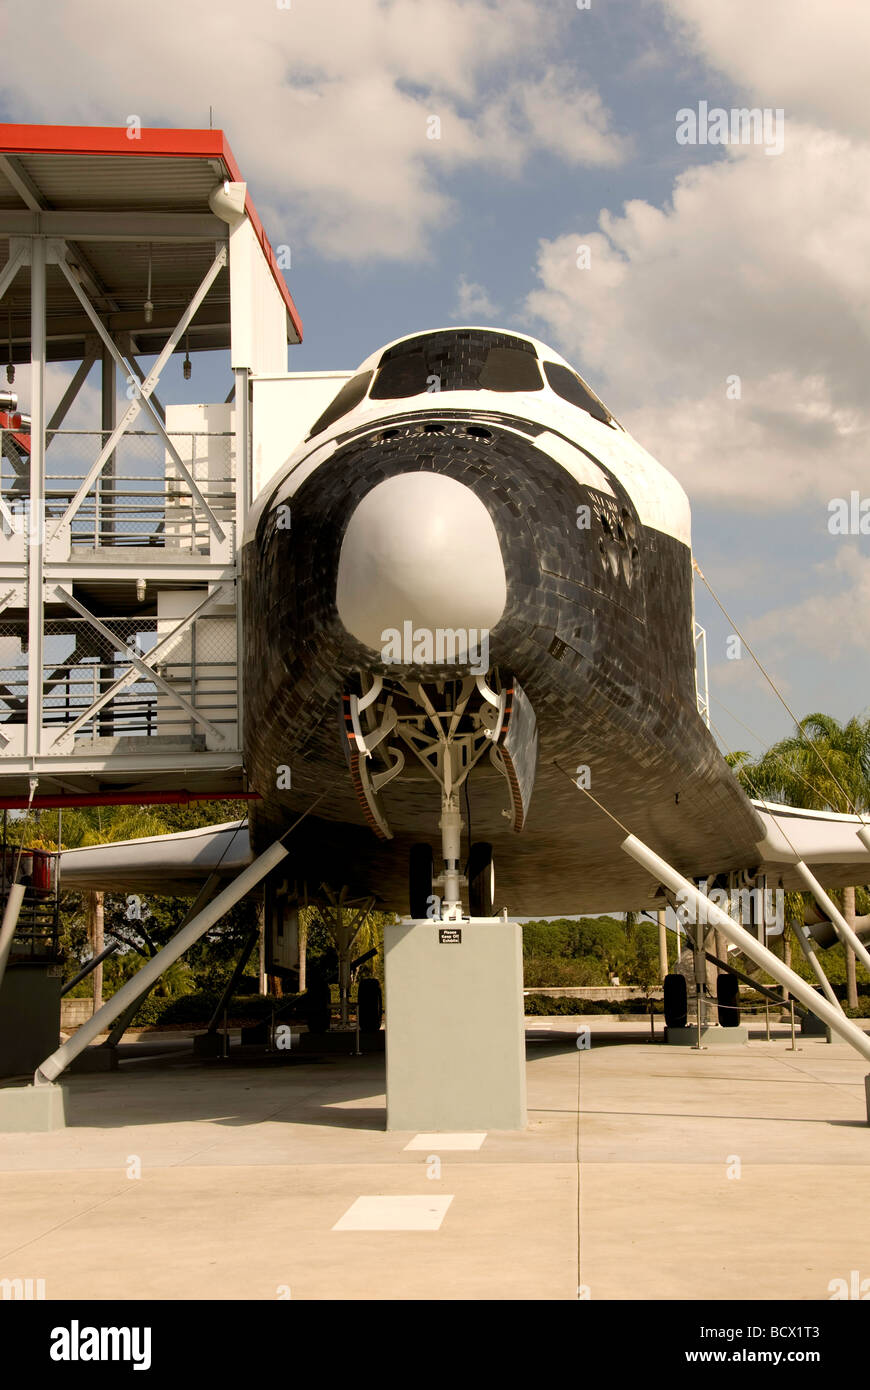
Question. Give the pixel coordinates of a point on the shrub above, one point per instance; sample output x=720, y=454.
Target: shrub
x=543, y=1004
x=547, y=971
x=198, y=1008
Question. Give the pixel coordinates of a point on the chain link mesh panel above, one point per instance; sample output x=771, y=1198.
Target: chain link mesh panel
x=81, y=665
x=140, y=497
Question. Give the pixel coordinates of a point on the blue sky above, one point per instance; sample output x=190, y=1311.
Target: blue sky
x=558, y=129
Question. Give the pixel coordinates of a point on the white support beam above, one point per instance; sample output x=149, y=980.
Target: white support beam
x=104, y=510
x=703, y=906
x=7, y=518
x=807, y=945
x=113, y=226
x=140, y=664
x=9, y=923
x=78, y=380
x=36, y=518
x=17, y=259
x=161, y=650
x=244, y=473
x=143, y=398
x=130, y=351
x=834, y=915
x=151, y=766
x=21, y=181
x=214, y=525
x=217, y=265
x=49, y=1070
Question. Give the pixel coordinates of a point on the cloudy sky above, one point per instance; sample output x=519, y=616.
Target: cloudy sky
x=721, y=309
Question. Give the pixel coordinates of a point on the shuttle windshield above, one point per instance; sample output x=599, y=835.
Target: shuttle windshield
x=457, y=360
x=573, y=388
x=350, y=395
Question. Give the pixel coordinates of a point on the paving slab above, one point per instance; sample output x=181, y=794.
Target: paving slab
x=644, y=1172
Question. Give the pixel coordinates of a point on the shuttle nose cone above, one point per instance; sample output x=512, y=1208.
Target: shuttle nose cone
x=420, y=547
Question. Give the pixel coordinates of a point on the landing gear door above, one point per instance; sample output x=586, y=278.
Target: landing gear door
x=519, y=752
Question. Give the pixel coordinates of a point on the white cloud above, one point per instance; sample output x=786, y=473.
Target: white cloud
x=473, y=304
x=813, y=648
x=325, y=103
x=834, y=619
x=811, y=58
x=551, y=113
x=83, y=414
x=757, y=270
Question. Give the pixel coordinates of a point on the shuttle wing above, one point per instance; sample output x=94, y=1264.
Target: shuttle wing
x=827, y=842
x=177, y=864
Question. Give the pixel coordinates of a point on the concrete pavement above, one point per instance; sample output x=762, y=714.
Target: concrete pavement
x=655, y=1172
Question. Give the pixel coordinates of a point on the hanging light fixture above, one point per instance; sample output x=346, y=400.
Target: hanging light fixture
x=10, y=365
x=186, y=366
x=148, y=306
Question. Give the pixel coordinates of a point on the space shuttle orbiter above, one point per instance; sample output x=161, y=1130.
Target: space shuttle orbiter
x=468, y=587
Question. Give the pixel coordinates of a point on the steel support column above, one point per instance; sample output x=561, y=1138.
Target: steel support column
x=36, y=519
x=805, y=941
x=832, y=912
x=49, y=1070
x=665, y=874
x=243, y=487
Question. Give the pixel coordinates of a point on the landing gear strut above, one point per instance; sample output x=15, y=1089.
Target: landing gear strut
x=480, y=878
x=447, y=726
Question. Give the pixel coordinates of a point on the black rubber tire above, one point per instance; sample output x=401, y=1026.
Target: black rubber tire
x=318, y=1007
x=481, y=880
x=676, y=1001
x=370, y=1005
x=727, y=992
x=421, y=870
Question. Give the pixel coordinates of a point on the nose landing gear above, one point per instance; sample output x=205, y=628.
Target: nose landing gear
x=447, y=726
x=479, y=879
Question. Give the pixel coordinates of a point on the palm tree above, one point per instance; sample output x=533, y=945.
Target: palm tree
x=825, y=766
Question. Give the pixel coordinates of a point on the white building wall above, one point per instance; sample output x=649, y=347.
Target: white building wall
x=258, y=311
x=285, y=407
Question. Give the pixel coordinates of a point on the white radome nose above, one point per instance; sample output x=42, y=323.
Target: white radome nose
x=420, y=547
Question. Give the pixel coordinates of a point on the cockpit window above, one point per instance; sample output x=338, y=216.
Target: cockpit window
x=350, y=395
x=457, y=360
x=570, y=387
x=507, y=369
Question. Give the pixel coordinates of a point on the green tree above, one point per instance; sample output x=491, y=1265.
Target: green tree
x=824, y=766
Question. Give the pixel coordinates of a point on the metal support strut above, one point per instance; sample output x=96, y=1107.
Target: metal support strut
x=835, y=1019
x=49, y=1070
x=451, y=839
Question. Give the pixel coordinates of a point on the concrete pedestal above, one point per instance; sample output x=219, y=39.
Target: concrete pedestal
x=712, y=1035
x=813, y=1027
x=31, y=1109
x=455, y=1042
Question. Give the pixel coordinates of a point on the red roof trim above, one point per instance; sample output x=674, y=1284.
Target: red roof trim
x=22, y=440
x=153, y=142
